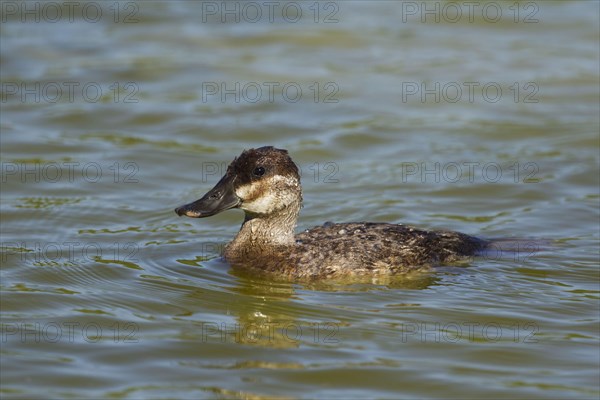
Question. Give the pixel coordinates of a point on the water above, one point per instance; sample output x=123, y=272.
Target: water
x=489, y=128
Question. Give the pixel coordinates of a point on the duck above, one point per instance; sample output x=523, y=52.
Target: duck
x=265, y=183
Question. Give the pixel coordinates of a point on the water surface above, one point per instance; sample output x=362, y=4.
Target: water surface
x=482, y=126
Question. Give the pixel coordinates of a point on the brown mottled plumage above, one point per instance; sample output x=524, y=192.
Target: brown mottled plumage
x=265, y=183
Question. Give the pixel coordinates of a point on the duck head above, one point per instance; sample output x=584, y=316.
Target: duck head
x=260, y=181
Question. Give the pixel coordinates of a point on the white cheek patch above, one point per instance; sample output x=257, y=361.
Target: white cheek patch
x=287, y=180
x=243, y=192
x=267, y=195
x=262, y=205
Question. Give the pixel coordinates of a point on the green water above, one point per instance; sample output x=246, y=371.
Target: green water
x=109, y=121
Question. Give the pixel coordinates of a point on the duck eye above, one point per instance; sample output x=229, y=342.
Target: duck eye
x=259, y=171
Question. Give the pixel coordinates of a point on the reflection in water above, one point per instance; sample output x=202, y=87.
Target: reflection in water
x=266, y=312
x=272, y=314
x=255, y=284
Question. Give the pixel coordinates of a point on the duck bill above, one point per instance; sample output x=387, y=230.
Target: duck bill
x=220, y=198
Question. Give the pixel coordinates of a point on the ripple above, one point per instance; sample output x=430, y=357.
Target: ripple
x=46, y=202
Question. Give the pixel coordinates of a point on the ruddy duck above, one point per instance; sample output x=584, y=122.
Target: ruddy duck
x=265, y=183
